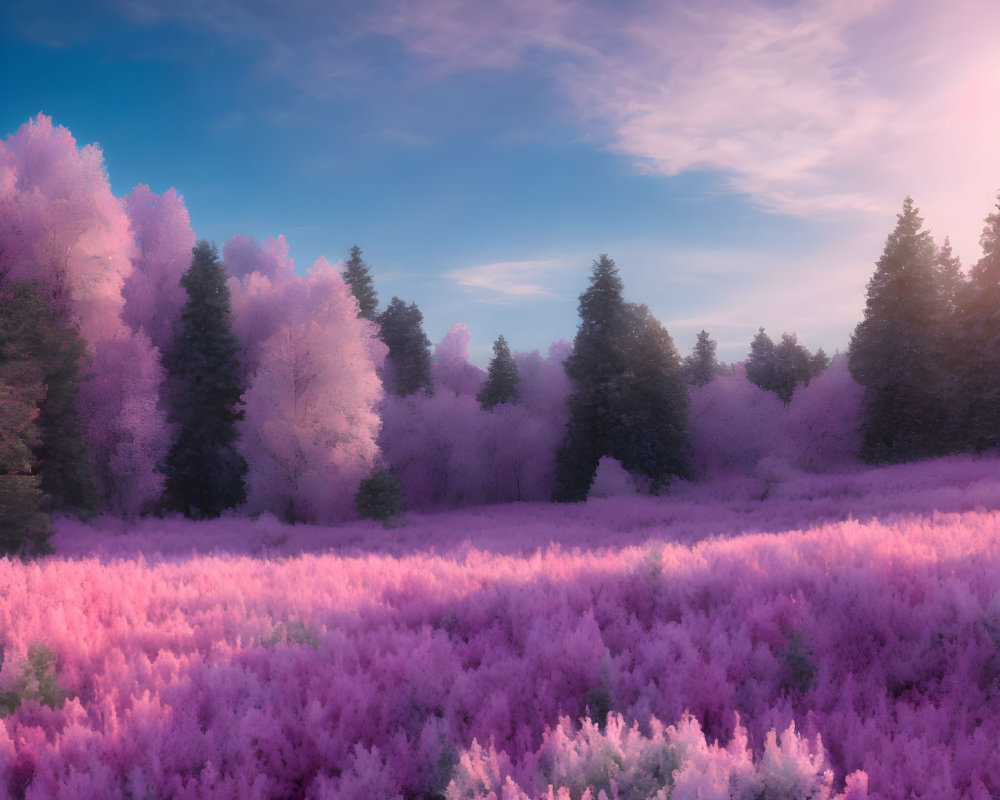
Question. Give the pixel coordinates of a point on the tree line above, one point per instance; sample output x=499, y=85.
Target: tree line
x=140, y=372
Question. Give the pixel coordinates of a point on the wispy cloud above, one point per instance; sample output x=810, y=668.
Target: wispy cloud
x=809, y=107
x=506, y=280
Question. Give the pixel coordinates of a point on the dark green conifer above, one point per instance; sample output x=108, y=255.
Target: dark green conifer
x=896, y=352
x=818, y=362
x=33, y=331
x=629, y=399
x=362, y=287
x=204, y=470
x=502, y=380
x=760, y=364
x=701, y=366
x=976, y=347
x=408, y=365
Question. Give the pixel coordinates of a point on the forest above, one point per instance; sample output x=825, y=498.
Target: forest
x=288, y=547
x=142, y=373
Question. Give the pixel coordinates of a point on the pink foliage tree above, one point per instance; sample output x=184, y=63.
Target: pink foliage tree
x=451, y=369
x=127, y=434
x=824, y=419
x=733, y=425
x=244, y=255
x=261, y=275
x=447, y=450
x=311, y=425
x=61, y=226
x=545, y=386
x=164, y=239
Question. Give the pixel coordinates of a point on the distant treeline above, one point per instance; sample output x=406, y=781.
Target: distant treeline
x=141, y=373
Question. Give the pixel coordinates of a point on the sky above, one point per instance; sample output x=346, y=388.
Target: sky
x=742, y=162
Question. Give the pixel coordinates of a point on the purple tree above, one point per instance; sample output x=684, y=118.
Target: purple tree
x=164, y=239
x=310, y=429
x=61, y=226
x=451, y=369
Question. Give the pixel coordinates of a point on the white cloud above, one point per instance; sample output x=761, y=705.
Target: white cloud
x=506, y=280
x=810, y=108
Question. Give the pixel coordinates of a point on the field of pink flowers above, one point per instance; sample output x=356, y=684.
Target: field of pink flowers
x=779, y=635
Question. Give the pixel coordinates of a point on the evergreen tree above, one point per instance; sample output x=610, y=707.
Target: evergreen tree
x=896, y=350
x=781, y=368
x=24, y=525
x=502, y=380
x=33, y=330
x=760, y=363
x=630, y=401
x=976, y=347
x=362, y=287
x=408, y=365
x=204, y=470
x=818, y=363
x=948, y=268
x=701, y=367
x=792, y=366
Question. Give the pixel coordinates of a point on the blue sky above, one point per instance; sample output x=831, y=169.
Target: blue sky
x=741, y=161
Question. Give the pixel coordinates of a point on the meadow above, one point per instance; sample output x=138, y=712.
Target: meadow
x=776, y=635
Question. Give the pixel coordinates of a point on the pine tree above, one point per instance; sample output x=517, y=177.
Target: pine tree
x=502, y=380
x=818, y=363
x=24, y=525
x=33, y=330
x=976, y=347
x=896, y=350
x=948, y=268
x=760, y=364
x=629, y=401
x=792, y=366
x=204, y=470
x=701, y=367
x=362, y=287
x=408, y=365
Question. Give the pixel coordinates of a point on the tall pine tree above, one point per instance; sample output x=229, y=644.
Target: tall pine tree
x=502, y=378
x=362, y=287
x=896, y=352
x=760, y=363
x=701, y=366
x=205, y=473
x=408, y=365
x=629, y=399
x=976, y=347
x=24, y=525
x=33, y=330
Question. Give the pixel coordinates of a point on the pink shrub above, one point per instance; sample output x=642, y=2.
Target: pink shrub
x=616, y=761
x=369, y=669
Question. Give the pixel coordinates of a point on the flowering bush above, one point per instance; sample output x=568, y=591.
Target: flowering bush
x=219, y=660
